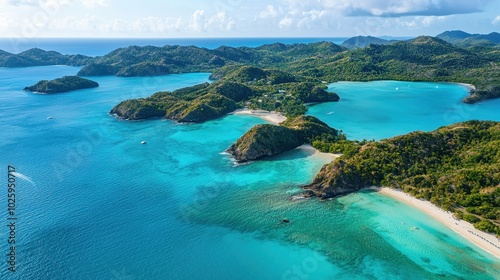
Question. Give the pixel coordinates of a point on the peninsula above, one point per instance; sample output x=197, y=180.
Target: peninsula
x=456, y=167
x=238, y=87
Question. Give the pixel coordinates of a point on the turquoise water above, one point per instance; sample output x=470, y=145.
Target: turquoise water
x=382, y=109
x=103, y=206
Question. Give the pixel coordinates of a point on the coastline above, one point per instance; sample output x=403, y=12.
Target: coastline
x=272, y=117
x=470, y=87
x=481, y=239
x=316, y=153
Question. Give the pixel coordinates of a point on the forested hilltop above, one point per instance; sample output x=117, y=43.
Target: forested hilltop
x=64, y=84
x=456, y=167
x=242, y=86
x=38, y=57
x=421, y=59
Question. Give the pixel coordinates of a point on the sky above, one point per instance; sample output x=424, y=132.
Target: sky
x=239, y=18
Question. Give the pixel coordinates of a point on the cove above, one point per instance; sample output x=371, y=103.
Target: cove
x=382, y=109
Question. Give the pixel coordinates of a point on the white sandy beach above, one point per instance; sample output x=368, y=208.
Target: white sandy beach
x=470, y=87
x=316, y=153
x=272, y=117
x=487, y=242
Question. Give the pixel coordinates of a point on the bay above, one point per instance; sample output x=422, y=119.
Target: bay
x=103, y=206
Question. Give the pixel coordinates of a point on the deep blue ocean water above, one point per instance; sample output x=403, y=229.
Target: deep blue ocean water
x=103, y=206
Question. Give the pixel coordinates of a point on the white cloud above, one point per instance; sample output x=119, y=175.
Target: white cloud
x=220, y=21
x=496, y=20
x=385, y=8
x=92, y=4
x=76, y=24
x=286, y=22
x=157, y=25
x=314, y=19
x=269, y=12
x=117, y=25
x=7, y=21
x=22, y=2
x=198, y=21
x=37, y=3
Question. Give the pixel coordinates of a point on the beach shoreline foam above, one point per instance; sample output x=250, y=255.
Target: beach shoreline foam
x=470, y=87
x=485, y=241
x=272, y=117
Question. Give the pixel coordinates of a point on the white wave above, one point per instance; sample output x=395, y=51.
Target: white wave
x=23, y=177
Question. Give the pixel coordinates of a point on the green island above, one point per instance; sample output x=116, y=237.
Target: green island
x=454, y=167
x=60, y=85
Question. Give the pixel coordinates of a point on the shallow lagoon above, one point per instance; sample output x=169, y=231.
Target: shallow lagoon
x=382, y=109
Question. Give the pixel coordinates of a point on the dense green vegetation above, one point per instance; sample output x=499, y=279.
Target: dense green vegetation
x=64, y=84
x=421, y=59
x=38, y=57
x=263, y=141
x=455, y=167
x=144, y=69
x=239, y=87
x=192, y=104
x=311, y=129
x=464, y=39
x=151, y=61
x=363, y=41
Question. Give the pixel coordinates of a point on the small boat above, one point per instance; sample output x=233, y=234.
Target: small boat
x=397, y=88
x=143, y=142
x=49, y=117
x=414, y=228
x=329, y=113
